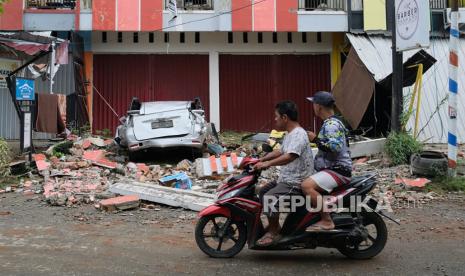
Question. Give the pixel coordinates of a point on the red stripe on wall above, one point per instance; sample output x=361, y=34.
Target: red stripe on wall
x=241, y=15
x=286, y=15
x=103, y=15
x=77, y=18
x=12, y=17
x=151, y=15
x=128, y=15
x=264, y=13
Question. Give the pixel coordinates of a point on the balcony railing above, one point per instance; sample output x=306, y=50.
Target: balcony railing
x=51, y=4
x=322, y=5
x=192, y=4
x=444, y=4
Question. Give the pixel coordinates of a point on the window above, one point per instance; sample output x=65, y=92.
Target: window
x=192, y=4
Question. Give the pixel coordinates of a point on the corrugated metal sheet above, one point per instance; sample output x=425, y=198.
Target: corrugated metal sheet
x=376, y=52
x=9, y=123
x=150, y=78
x=251, y=85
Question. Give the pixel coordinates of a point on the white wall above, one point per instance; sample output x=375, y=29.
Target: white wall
x=211, y=41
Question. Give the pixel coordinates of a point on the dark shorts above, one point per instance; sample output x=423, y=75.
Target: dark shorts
x=277, y=190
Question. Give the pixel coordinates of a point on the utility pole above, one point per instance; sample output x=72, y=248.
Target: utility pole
x=453, y=88
x=397, y=73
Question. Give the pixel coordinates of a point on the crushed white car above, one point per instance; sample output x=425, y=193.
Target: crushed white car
x=163, y=124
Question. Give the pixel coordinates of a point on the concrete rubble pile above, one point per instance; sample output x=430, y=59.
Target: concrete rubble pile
x=84, y=170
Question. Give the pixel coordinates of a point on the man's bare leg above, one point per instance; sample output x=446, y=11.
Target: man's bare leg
x=311, y=189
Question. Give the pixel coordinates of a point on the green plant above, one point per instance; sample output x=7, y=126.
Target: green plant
x=62, y=149
x=5, y=158
x=447, y=184
x=400, y=146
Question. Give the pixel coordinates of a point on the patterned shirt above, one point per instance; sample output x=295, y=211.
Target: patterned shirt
x=297, y=171
x=333, y=149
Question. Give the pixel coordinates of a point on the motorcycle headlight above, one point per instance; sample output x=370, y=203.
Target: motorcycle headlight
x=230, y=194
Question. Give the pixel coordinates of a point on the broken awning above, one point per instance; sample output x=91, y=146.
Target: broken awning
x=29, y=48
x=375, y=52
x=352, y=97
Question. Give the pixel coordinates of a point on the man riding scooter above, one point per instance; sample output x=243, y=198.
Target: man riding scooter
x=333, y=163
x=295, y=159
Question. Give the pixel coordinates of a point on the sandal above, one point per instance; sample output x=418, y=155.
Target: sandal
x=319, y=228
x=268, y=239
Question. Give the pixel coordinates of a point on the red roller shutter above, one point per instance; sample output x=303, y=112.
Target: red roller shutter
x=150, y=78
x=251, y=85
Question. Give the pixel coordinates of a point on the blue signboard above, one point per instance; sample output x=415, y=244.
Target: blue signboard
x=24, y=89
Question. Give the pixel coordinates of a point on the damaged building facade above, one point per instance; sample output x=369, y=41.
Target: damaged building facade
x=239, y=56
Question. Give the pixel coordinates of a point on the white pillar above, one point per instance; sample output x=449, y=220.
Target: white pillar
x=214, y=89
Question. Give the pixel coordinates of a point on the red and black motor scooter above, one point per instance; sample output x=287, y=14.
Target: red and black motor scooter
x=234, y=220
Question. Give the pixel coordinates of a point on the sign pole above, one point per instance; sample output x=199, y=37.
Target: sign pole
x=453, y=89
x=397, y=75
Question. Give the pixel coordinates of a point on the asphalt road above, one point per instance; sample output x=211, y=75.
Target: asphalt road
x=36, y=239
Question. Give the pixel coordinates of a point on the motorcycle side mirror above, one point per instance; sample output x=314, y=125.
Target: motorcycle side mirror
x=267, y=148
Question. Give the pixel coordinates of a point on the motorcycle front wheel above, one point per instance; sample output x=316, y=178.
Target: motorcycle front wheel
x=374, y=233
x=219, y=236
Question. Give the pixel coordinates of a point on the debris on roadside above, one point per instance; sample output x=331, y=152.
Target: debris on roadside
x=120, y=203
x=178, y=181
x=192, y=200
x=413, y=184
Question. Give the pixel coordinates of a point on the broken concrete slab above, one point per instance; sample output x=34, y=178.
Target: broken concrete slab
x=367, y=148
x=120, y=203
x=192, y=200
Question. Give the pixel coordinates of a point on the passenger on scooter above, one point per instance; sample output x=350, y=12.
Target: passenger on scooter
x=295, y=159
x=332, y=162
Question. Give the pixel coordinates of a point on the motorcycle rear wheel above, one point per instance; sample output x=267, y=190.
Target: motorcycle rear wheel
x=219, y=235
x=354, y=251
